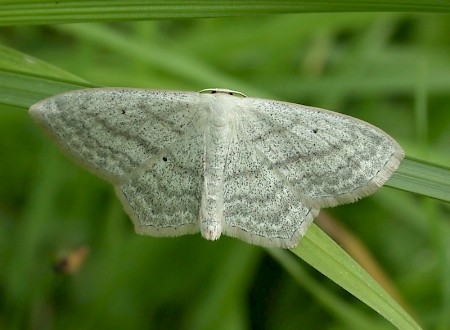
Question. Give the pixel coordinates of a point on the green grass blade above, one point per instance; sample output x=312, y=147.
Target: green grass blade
x=24, y=80
x=24, y=90
x=13, y=60
x=352, y=317
x=52, y=12
x=321, y=252
x=423, y=178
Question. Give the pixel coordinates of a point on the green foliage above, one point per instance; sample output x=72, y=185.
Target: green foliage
x=69, y=11
x=389, y=69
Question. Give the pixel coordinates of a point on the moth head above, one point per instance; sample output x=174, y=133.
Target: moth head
x=222, y=91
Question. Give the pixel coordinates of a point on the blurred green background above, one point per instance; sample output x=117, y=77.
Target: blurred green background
x=69, y=257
